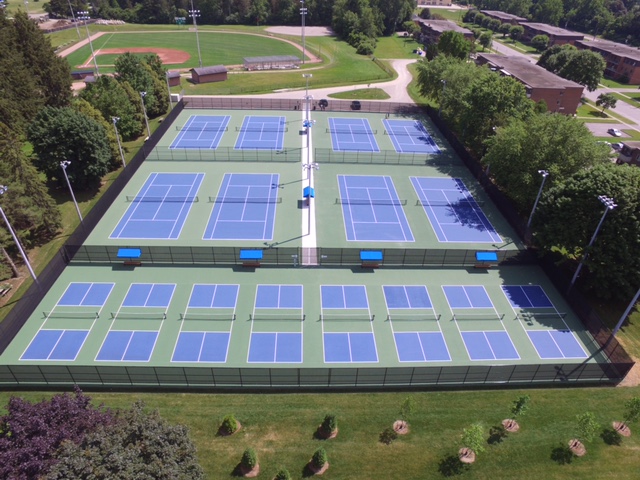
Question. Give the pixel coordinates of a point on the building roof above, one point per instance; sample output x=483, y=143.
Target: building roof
x=551, y=30
x=619, y=49
x=527, y=72
x=504, y=16
x=442, y=26
x=632, y=144
x=272, y=59
x=173, y=74
x=210, y=70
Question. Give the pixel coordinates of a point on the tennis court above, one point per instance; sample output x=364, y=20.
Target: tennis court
x=372, y=210
x=352, y=134
x=261, y=133
x=160, y=208
x=201, y=131
x=453, y=212
x=229, y=325
x=410, y=136
x=245, y=208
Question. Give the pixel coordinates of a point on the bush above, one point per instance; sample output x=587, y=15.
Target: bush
x=283, y=474
x=229, y=424
x=329, y=424
x=249, y=458
x=388, y=435
x=319, y=458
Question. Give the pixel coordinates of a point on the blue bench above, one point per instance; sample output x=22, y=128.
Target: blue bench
x=371, y=258
x=486, y=259
x=250, y=258
x=131, y=256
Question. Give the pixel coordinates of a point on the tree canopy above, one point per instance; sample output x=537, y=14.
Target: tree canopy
x=581, y=66
x=453, y=44
x=569, y=213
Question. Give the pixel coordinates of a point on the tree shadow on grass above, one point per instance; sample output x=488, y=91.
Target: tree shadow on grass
x=611, y=437
x=451, y=465
x=497, y=434
x=562, y=455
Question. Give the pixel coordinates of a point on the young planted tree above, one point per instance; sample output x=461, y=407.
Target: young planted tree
x=586, y=429
x=504, y=29
x=229, y=426
x=249, y=466
x=401, y=427
x=328, y=428
x=606, y=101
x=472, y=443
x=631, y=415
x=540, y=42
x=516, y=32
x=319, y=462
x=486, y=40
x=283, y=474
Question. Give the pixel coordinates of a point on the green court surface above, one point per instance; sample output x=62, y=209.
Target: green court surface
x=303, y=318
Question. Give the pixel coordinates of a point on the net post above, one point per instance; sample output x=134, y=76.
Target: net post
x=304, y=317
x=233, y=317
x=373, y=317
x=251, y=317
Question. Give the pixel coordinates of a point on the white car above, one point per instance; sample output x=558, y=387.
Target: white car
x=617, y=146
x=615, y=132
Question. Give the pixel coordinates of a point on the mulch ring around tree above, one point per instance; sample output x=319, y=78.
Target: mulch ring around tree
x=466, y=455
x=222, y=432
x=577, y=448
x=322, y=434
x=249, y=472
x=622, y=429
x=315, y=470
x=401, y=427
x=510, y=425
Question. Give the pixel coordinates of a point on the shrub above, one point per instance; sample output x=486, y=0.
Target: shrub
x=283, y=474
x=329, y=424
x=388, y=435
x=229, y=424
x=319, y=458
x=249, y=458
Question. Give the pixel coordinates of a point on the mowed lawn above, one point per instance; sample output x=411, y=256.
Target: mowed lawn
x=216, y=48
x=281, y=428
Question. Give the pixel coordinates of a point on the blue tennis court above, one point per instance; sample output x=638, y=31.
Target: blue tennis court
x=211, y=347
x=55, y=345
x=344, y=297
x=352, y=135
x=410, y=136
x=127, y=346
x=275, y=347
x=80, y=294
x=149, y=295
x=245, y=208
x=453, y=212
x=261, y=133
x=414, y=330
x=201, y=131
x=213, y=296
x=549, y=333
x=371, y=209
x=160, y=208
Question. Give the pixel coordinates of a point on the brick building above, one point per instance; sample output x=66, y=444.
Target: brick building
x=560, y=95
x=432, y=29
x=504, y=17
x=216, y=73
x=557, y=35
x=623, y=61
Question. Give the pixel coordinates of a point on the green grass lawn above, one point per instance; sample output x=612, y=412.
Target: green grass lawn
x=32, y=7
x=632, y=99
x=614, y=84
x=453, y=15
x=362, y=94
x=281, y=428
x=517, y=45
x=396, y=47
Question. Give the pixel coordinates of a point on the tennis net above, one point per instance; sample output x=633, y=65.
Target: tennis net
x=139, y=315
x=441, y=203
x=358, y=201
x=153, y=199
x=406, y=133
x=352, y=131
x=344, y=317
x=262, y=129
x=244, y=200
x=416, y=317
x=277, y=316
x=201, y=128
x=478, y=316
x=78, y=315
x=208, y=316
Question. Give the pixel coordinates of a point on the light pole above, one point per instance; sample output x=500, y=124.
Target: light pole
x=624, y=315
x=115, y=120
x=544, y=174
x=194, y=14
x=303, y=14
x=73, y=17
x=3, y=190
x=84, y=15
x=609, y=205
x=444, y=88
x=64, y=166
x=144, y=110
x=169, y=89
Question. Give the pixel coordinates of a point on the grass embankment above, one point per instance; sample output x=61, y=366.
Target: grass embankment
x=632, y=99
x=281, y=429
x=362, y=94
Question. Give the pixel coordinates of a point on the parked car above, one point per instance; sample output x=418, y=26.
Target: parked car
x=617, y=146
x=615, y=132
x=355, y=105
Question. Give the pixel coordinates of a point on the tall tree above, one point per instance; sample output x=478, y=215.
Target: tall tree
x=606, y=100
x=568, y=214
x=560, y=144
x=59, y=134
x=454, y=44
x=548, y=11
x=33, y=212
x=582, y=66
